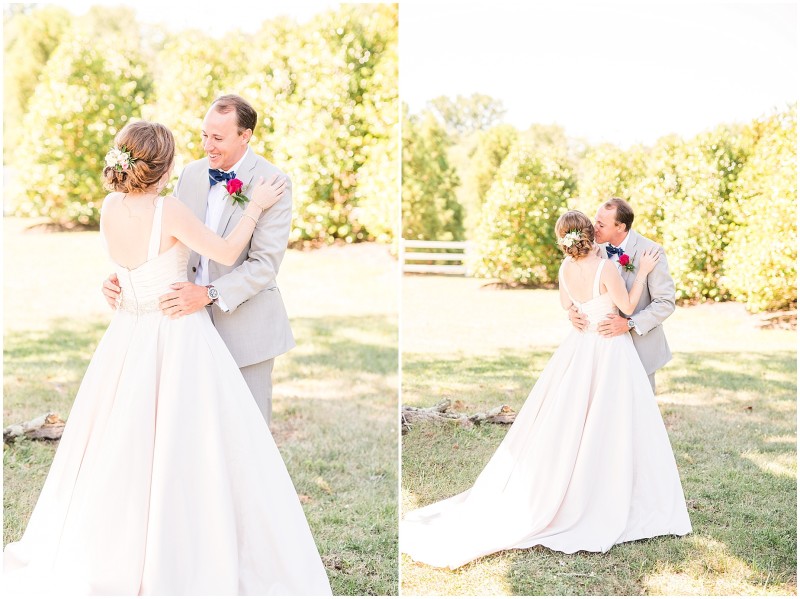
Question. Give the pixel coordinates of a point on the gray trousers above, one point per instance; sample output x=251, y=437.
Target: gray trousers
x=652, y=378
x=259, y=378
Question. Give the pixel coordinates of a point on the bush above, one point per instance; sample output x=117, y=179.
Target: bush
x=516, y=240
x=325, y=91
x=89, y=90
x=430, y=208
x=607, y=171
x=761, y=261
x=686, y=195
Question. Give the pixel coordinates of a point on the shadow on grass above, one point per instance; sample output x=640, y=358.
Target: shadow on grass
x=345, y=343
x=734, y=441
x=479, y=381
x=43, y=368
x=769, y=374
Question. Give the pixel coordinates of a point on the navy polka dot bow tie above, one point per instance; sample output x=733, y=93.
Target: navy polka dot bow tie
x=217, y=176
x=611, y=250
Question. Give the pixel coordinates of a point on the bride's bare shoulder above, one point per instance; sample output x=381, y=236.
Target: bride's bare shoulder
x=173, y=204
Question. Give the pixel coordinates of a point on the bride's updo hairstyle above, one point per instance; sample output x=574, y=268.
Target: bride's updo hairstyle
x=575, y=234
x=143, y=152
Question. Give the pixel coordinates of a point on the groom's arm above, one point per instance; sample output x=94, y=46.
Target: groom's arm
x=662, y=297
x=264, y=257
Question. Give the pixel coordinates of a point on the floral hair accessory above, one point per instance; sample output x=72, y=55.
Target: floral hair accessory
x=119, y=159
x=570, y=238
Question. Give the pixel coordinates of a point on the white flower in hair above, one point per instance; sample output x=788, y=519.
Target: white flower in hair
x=119, y=159
x=570, y=238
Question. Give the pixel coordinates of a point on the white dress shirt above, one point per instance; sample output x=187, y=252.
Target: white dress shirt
x=621, y=246
x=217, y=196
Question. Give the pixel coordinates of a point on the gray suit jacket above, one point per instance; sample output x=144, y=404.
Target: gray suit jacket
x=257, y=327
x=655, y=305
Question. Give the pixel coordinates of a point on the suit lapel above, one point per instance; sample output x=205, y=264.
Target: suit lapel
x=196, y=196
x=245, y=175
x=631, y=249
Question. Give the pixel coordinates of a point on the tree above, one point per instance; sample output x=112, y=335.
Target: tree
x=761, y=260
x=430, y=208
x=516, y=240
x=464, y=115
x=89, y=90
x=31, y=36
x=607, y=171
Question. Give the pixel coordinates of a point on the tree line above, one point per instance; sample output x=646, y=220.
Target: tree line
x=723, y=203
x=325, y=91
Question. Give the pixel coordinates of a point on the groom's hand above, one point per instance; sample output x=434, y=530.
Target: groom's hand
x=613, y=325
x=111, y=290
x=578, y=319
x=185, y=298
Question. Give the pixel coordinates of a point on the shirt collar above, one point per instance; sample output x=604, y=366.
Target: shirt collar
x=624, y=242
x=236, y=166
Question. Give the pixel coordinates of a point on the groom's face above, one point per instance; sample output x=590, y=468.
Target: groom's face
x=222, y=141
x=606, y=227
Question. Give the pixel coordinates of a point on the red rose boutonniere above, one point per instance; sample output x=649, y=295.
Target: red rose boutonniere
x=625, y=262
x=234, y=187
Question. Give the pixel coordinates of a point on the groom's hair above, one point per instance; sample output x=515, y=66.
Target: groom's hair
x=624, y=211
x=246, y=115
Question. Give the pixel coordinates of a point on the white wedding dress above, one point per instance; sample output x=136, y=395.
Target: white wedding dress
x=167, y=480
x=587, y=463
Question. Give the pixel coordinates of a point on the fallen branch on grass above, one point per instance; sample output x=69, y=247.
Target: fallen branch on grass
x=47, y=426
x=442, y=412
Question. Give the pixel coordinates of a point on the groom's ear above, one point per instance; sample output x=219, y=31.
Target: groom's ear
x=247, y=134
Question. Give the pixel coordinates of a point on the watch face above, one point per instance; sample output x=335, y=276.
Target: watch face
x=213, y=293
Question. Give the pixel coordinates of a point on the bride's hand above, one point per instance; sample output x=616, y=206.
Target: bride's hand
x=266, y=195
x=648, y=260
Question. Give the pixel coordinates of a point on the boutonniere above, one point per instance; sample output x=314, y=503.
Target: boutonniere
x=234, y=187
x=625, y=262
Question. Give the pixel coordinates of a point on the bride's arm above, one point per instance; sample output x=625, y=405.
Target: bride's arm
x=181, y=223
x=566, y=302
x=615, y=285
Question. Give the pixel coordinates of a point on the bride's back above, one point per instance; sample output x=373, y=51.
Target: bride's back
x=579, y=276
x=126, y=224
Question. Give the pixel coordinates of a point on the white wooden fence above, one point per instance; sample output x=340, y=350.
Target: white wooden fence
x=413, y=251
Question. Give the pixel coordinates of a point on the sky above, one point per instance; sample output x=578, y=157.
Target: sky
x=617, y=72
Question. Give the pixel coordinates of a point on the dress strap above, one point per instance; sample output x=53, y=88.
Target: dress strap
x=563, y=282
x=596, y=286
x=155, y=232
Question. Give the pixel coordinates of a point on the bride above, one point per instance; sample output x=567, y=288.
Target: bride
x=587, y=463
x=166, y=480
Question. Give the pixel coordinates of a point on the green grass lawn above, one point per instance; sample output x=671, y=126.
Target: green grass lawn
x=335, y=399
x=728, y=399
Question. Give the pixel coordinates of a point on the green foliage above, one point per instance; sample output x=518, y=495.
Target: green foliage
x=463, y=115
x=430, y=209
x=492, y=148
x=687, y=190
x=607, y=171
x=88, y=91
x=30, y=39
x=516, y=240
x=325, y=91
x=761, y=261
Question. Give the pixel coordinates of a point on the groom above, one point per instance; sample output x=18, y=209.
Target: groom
x=244, y=301
x=622, y=244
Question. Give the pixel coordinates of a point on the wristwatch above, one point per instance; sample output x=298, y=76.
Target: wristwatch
x=213, y=294
x=631, y=324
